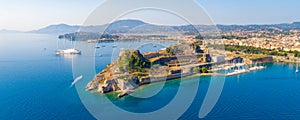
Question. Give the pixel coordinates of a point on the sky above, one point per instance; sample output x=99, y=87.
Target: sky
x=25, y=15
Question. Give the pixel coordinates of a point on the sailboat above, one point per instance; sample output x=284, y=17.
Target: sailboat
x=67, y=51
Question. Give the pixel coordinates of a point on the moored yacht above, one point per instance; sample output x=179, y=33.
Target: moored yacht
x=235, y=72
x=256, y=68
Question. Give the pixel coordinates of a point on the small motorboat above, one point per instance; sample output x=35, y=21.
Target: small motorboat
x=297, y=69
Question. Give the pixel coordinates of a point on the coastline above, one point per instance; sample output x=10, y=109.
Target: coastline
x=123, y=93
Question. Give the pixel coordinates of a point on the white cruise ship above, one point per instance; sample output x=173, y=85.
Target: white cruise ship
x=68, y=51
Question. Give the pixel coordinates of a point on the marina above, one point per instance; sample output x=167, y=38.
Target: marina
x=238, y=68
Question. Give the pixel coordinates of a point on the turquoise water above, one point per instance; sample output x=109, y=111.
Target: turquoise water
x=35, y=84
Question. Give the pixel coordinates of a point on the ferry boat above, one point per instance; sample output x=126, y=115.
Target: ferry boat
x=67, y=51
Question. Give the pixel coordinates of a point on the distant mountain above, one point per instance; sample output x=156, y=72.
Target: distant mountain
x=289, y=26
x=126, y=24
x=123, y=26
x=137, y=26
x=115, y=27
x=57, y=29
x=9, y=31
x=270, y=27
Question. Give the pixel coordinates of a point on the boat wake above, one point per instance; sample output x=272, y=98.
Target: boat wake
x=76, y=80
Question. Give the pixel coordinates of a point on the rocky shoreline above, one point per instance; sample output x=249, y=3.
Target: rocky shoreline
x=133, y=69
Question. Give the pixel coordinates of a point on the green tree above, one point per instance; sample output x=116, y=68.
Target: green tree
x=204, y=70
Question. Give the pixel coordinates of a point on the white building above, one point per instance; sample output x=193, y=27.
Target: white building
x=219, y=58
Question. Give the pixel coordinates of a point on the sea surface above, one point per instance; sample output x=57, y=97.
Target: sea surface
x=36, y=84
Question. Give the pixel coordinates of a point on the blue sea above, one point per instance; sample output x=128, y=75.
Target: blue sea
x=36, y=84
